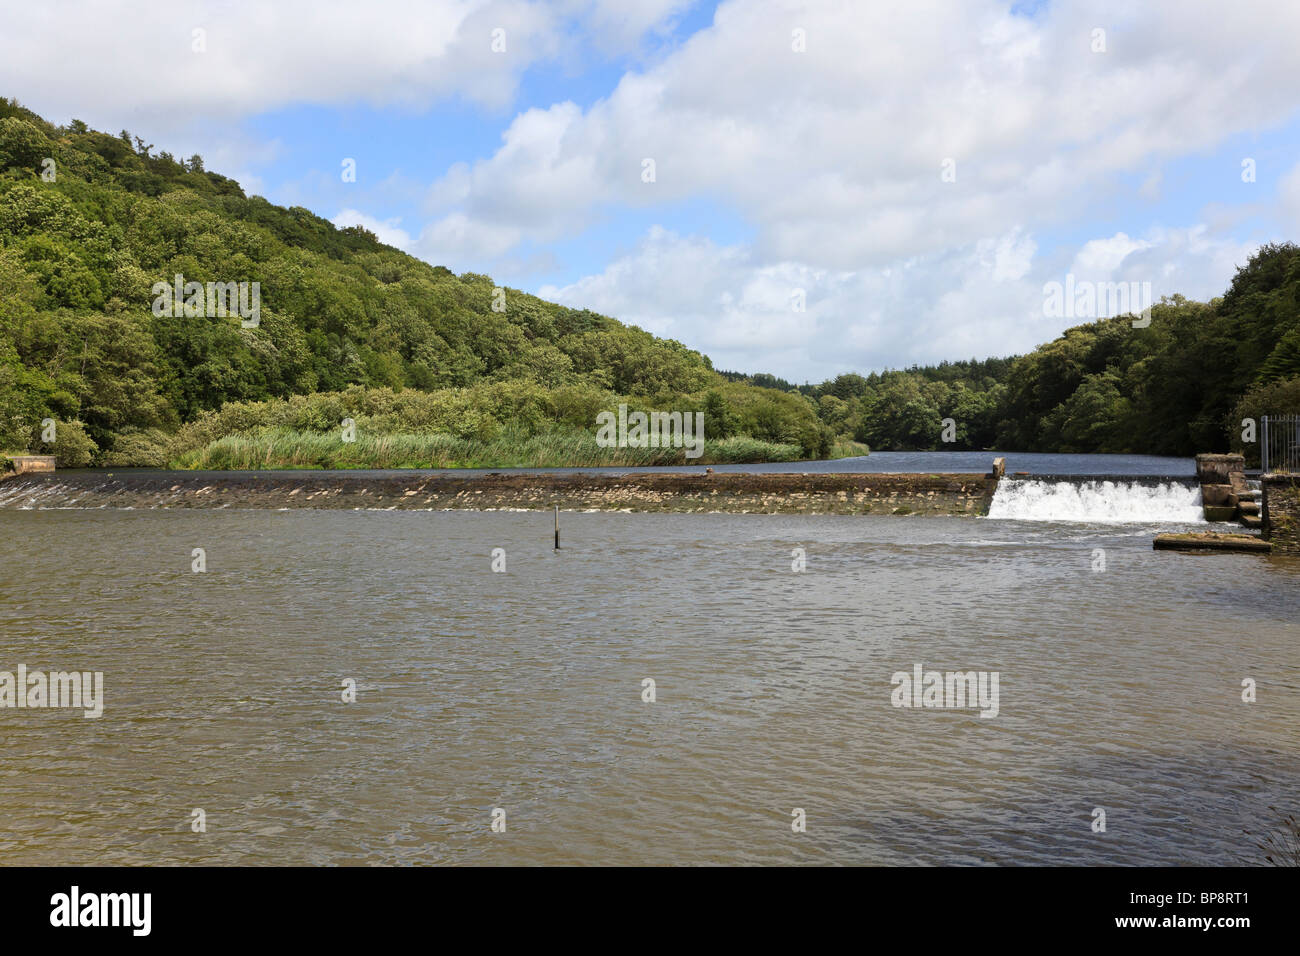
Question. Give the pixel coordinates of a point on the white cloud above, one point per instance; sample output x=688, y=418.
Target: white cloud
x=620, y=26
x=836, y=153
x=985, y=298
x=1288, y=194
x=1100, y=257
x=831, y=158
x=112, y=62
x=89, y=57
x=834, y=157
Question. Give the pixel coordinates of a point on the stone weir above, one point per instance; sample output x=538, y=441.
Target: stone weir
x=740, y=492
x=1225, y=495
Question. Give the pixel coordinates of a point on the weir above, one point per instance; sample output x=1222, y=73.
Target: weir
x=1100, y=499
x=1104, y=499
x=738, y=492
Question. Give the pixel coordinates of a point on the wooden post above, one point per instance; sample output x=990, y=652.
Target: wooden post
x=557, y=527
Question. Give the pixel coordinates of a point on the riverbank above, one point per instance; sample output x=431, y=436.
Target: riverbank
x=734, y=492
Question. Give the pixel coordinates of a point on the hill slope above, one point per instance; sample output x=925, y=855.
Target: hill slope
x=89, y=222
x=440, y=369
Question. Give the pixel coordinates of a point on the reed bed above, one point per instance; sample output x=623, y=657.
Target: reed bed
x=278, y=447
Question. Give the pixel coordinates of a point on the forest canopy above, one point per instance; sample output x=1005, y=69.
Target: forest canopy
x=90, y=222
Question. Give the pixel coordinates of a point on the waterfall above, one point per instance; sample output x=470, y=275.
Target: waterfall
x=1097, y=500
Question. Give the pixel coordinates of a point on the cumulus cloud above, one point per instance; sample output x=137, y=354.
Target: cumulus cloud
x=838, y=153
x=908, y=165
x=985, y=298
x=1288, y=194
x=837, y=157
x=170, y=61
x=225, y=59
x=621, y=26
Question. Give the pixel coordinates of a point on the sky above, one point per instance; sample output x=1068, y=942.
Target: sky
x=800, y=188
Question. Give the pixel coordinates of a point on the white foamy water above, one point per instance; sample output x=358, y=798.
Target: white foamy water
x=1109, y=502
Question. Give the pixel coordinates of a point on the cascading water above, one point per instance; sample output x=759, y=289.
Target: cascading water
x=1103, y=501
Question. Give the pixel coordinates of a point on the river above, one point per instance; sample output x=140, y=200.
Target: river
x=1120, y=689
x=904, y=462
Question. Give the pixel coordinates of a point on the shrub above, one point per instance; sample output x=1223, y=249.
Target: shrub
x=72, y=446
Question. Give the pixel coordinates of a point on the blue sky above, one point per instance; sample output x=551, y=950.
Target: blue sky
x=914, y=173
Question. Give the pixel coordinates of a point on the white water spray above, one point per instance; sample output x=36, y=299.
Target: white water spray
x=1110, y=502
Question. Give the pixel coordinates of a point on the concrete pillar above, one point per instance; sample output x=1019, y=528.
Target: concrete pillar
x=23, y=464
x=1218, y=476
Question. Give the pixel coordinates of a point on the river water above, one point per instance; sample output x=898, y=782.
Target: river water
x=1120, y=688
x=904, y=462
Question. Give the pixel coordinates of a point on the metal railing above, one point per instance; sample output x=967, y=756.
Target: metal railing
x=1279, y=446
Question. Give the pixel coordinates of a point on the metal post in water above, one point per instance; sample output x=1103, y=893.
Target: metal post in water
x=557, y=527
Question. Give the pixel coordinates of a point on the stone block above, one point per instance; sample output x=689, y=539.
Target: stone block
x=1216, y=469
x=1218, y=495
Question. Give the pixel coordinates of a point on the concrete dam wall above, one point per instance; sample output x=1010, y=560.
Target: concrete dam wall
x=829, y=493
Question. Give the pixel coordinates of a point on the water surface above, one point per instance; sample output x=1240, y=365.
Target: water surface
x=1119, y=689
x=905, y=462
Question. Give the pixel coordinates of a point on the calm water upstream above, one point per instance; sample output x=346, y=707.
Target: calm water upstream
x=879, y=462
x=522, y=690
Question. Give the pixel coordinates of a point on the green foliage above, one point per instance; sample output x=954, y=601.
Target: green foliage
x=490, y=424
x=22, y=143
x=1280, y=397
x=73, y=447
x=349, y=327
x=719, y=420
x=1168, y=389
x=1274, y=398
x=289, y=448
x=353, y=328
x=849, y=449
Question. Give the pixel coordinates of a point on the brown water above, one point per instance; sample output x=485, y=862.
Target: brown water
x=1119, y=689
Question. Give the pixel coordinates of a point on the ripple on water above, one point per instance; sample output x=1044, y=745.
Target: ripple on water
x=523, y=690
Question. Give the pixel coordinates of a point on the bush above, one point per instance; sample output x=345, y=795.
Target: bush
x=140, y=448
x=1275, y=398
x=72, y=446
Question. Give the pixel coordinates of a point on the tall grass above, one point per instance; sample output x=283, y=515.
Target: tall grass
x=278, y=447
x=849, y=449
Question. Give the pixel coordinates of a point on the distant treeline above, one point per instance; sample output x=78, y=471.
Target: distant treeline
x=466, y=372
x=1180, y=386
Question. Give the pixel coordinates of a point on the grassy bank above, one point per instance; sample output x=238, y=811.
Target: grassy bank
x=294, y=448
x=494, y=425
x=849, y=449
